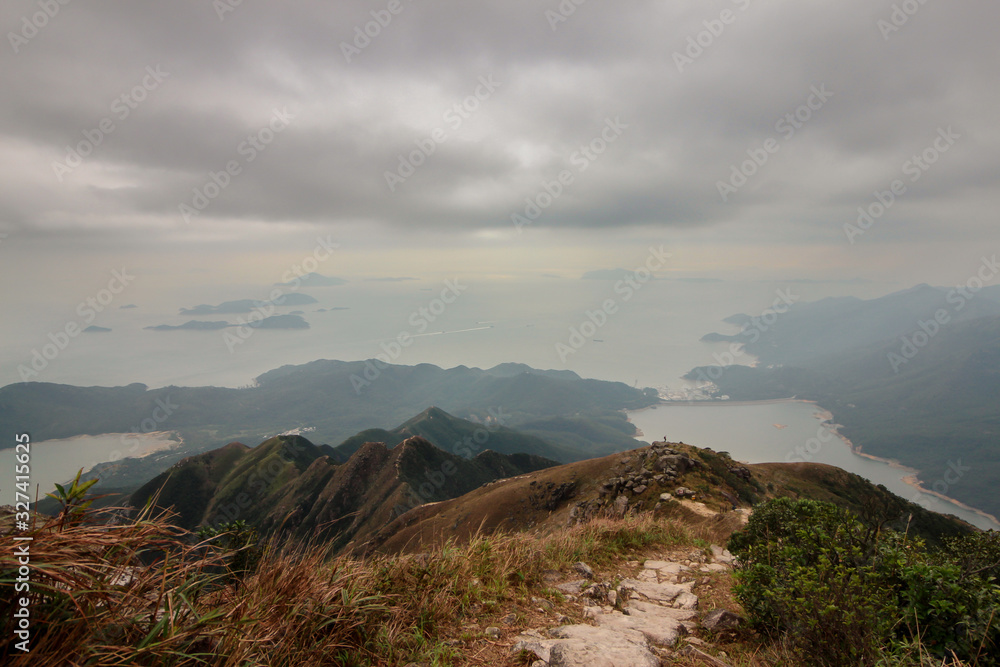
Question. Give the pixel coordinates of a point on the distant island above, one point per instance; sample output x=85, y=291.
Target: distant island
x=314, y=280
x=273, y=322
x=281, y=322
x=249, y=305
x=96, y=329
x=193, y=325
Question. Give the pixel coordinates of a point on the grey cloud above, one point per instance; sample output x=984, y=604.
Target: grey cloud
x=686, y=129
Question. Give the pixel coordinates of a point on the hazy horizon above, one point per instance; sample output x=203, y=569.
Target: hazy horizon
x=651, y=338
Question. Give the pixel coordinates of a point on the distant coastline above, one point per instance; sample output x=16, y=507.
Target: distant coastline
x=911, y=479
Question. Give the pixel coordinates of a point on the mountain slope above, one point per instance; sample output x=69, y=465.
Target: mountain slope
x=551, y=499
x=810, y=334
x=288, y=486
x=462, y=437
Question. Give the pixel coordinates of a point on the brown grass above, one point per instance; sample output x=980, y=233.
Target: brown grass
x=100, y=598
x=145, y=593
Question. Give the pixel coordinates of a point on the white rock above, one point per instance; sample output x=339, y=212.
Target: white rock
x=686, y=601
x=638, y=606
x=721, y=555
x=659, y=592
x=660, y=625
x=655, y=564
x=572, y=587
x=587, y=646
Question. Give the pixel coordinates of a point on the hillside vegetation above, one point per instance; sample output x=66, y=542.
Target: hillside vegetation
x=287, y=487
x=142, y=591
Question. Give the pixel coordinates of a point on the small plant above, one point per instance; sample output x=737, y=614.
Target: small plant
x=73, y=500
x=240, y=542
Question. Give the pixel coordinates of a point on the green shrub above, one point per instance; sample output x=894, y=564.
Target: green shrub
x=846, y=593
x=946, y=603
x=804, y=571
x=239, y=542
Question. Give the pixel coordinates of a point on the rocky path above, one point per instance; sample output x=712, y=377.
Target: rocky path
x=637, y=622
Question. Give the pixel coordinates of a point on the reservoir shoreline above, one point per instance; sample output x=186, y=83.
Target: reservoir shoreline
x=827, y=418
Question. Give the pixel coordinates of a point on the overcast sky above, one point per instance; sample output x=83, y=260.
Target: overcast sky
x=643, y=108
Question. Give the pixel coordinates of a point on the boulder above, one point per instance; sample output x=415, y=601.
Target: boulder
x=666, y=593
x=674, y=462
x=721, y=555
x=721, y=619
x=587, y=646
x=572, y=587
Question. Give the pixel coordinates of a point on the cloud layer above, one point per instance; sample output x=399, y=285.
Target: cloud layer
x=477, y=110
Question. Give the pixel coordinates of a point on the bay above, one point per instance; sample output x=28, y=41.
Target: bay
x=57, y=461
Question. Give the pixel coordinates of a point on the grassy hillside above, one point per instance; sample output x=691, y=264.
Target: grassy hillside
x=287, y=486
x=550, y=499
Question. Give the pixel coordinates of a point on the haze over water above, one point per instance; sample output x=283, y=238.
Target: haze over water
x=651, y=339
